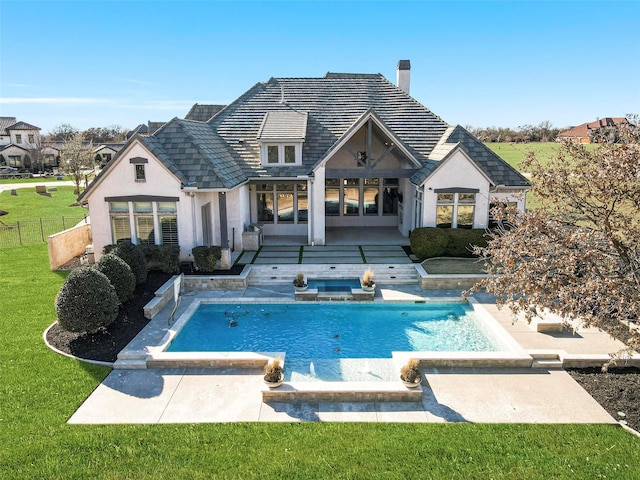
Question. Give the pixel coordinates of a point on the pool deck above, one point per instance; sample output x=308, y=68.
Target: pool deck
x=479, y=395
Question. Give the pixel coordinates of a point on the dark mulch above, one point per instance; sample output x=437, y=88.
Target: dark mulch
x=104, y=346
x=617, y=390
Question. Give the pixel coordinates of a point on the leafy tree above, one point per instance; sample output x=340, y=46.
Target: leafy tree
x=578, y=254
x=63, y=132
x=112, y=133
x=77, y=156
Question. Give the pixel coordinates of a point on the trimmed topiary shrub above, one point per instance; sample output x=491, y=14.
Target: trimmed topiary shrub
x=119, y=274
x=133, y=256
x=165, y=258
x=206, y=258
x=460, y=241
x=428, y=242
x=86, y=301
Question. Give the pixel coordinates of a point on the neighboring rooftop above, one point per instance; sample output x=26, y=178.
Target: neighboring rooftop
x=203, y=113
x=584, y=130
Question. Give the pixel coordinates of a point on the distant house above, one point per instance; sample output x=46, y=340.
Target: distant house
x=144, y=129
x=584, y=133
x=21, y=143
x=105, y=152
x=304, y=158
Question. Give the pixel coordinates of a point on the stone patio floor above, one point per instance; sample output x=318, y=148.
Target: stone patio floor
x=479, y=395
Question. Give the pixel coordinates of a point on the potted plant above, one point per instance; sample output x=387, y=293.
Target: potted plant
x=274, y=373
x=410, y=374
x=299, y=282
x=368, y=285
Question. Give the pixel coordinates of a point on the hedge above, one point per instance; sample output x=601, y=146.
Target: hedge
x=165, y=258
x=429, y=242
x=206, y=258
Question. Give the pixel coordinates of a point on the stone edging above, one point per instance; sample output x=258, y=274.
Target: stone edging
x=68, y=355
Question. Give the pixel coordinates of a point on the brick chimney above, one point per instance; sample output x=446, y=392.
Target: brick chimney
x=403, y=78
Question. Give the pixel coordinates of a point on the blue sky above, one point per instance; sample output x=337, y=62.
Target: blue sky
x=501, y=63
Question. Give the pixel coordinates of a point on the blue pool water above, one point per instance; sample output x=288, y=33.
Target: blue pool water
x=334, y=285
x=327, y=338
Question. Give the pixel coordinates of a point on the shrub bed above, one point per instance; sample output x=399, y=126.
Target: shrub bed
x=429, y=242
x=86, y=302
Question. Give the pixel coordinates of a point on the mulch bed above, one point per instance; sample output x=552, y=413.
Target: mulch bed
x=617, y=390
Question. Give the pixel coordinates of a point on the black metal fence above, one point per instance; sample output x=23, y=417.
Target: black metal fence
x=27, y=233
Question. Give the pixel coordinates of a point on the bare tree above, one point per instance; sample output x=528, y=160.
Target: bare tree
x=578, y=254
x=63, y=132
x=77, y=157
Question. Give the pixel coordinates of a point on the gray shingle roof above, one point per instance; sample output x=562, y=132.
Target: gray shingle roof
x=199, y=154
x=499, y=171
x=202, y=113
x=22, y=126
x=281, y=125
x=225, y=151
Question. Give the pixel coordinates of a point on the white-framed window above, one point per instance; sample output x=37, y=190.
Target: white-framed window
x=31, y=138
x=282, y=203
x=144, y=222
x=455, y=210
x=281, y=154
x=18, y=138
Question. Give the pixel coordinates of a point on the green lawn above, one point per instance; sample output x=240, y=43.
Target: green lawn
x=39, y=390
x=34, y=180
x=472, y=266
x=514, y=153
x=28, y=205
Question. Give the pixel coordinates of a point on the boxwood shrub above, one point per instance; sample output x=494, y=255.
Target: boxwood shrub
x=133, y=256
x=86, y=301
x=206, y=258
x=430, y=242
x=165, y=258
x=119, y=274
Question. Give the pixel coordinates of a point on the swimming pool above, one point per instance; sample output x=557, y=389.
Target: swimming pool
x=328, y=341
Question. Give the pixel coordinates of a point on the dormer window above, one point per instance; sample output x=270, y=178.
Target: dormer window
x=281, y=154
x=281, y=136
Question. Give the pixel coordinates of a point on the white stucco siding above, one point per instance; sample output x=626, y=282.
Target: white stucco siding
x=457, y=171
x=121, y=182
x=238, y=216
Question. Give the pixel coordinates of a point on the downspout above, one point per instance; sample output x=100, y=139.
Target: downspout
x=310, y=215
x=193, y=217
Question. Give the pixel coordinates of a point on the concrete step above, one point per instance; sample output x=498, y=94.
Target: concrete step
x=547, y=364
x=342, y=392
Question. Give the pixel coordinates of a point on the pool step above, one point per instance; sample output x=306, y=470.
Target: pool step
x=545, y=359
x=284, y=274
x=342, y=392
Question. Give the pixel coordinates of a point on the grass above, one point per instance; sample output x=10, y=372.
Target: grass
x=514, y=153
x=34, y=180
x=40, y=390
x=28, y=205
x=471, y=266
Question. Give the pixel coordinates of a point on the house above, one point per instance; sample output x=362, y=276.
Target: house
x=584, y=133
x=302, y=158
x=105, y=152
x=144, y=129
x=203, y=113
x=21, y=145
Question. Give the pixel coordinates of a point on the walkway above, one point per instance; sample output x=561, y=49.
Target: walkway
x=343, y=254
x=531, y=395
